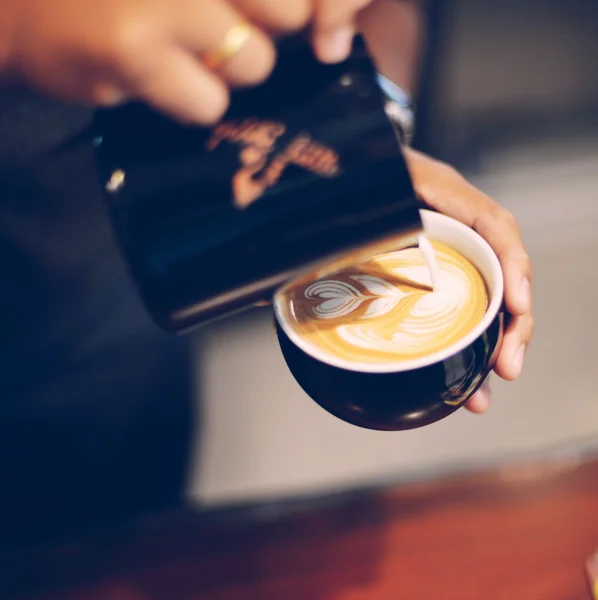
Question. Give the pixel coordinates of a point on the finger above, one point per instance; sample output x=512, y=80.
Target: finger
x=499, y=228
x=517, y=338
x=85, y=89
x=445, y=190
x=178, y=85
x=481, y=401
x=335, y=23
x=251, y=65
x=276, y=16
x=252, y=55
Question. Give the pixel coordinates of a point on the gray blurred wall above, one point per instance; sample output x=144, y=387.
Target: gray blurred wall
x=263, y=437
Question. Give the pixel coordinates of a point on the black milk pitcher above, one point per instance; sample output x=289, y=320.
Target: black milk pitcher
x=304, y=173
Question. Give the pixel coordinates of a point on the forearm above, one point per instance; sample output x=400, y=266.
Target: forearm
x=394, y=30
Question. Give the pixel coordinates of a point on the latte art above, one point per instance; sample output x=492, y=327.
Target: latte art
x=386, y=310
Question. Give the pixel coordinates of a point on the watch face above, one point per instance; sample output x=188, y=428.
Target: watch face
x=393, y=92
x=398, y=108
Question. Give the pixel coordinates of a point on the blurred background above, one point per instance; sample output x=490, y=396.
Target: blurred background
x=510, y=96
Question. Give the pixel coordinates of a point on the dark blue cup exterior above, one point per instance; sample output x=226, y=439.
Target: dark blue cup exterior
x=395, y=401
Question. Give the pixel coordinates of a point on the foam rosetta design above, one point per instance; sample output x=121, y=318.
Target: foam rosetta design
x=341, y=298
x=385, y=311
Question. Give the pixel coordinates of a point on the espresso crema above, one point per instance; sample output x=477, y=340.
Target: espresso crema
x=385, y=311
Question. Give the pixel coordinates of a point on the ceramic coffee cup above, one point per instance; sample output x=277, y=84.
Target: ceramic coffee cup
x=406, y=393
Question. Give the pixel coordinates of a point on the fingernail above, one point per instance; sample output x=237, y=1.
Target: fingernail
x=112, y=98
x=483, y=401
x=518, y=359
x=480, y=402
x=524, y=293
x=336, y=46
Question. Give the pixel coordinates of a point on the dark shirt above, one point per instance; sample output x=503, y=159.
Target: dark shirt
x=95, y=403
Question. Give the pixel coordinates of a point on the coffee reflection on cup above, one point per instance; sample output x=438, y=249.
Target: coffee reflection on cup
x=376, y=346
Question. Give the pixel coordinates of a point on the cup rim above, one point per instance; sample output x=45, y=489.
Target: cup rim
x=494, y=307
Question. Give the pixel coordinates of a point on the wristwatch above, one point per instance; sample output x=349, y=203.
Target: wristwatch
x=399, y=108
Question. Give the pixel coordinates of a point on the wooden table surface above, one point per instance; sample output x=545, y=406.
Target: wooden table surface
x=521, y=532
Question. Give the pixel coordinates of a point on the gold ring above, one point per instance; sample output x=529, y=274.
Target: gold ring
x=233, y=43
